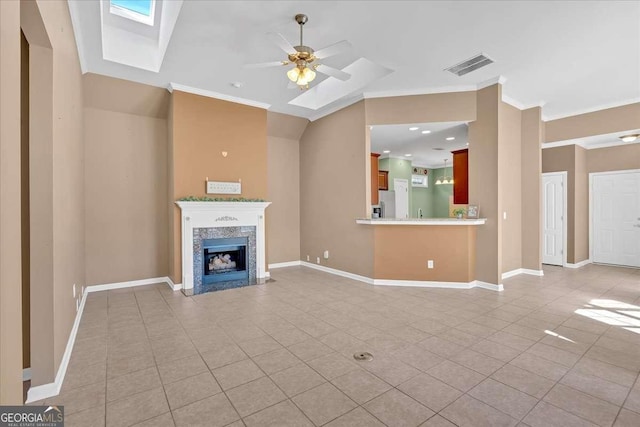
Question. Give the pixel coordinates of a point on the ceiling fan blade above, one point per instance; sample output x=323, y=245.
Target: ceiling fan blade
x=333, y=72
x=292, y=85
x=282, y=42
x=333, y=49
x=267, y=64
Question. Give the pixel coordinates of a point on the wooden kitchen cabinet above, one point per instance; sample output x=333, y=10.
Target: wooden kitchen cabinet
x=460, y=177
x=374, y=178
x=383, y=180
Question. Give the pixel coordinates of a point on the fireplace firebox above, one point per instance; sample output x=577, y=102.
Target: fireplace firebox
x=224, y=260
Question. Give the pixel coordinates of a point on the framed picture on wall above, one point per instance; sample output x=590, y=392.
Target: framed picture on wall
x=473, y=211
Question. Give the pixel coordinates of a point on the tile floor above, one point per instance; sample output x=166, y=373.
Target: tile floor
x=280, y=354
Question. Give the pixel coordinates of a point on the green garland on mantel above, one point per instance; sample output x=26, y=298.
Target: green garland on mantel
x=218, y=199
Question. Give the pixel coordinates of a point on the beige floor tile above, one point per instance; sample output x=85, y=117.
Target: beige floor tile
x=583, y=405
x=418, y=357
x=137, y=408
x=223, y=356
x=290, y=336
x=332, y=365
x=409, y=334
x=214, y=411
x=125, y=365
x=255, y=396
x=276, y=361
x=395, y=408
x=356, y=418
x=429, y=391
x=468, y=411
x=260, y=345
x=627, y=419
x=191, y=389
x=455, y=375
x=390, y=369
x=323, y=403
x=132, y=383
x=236, y=374
x=595, y=386
x=554, y=354
x=523, y=380
x=78, y=376
x=81, y=398
x=540, y=366
x=440, y=346
x=297, y=379
x=633, y=400
x=437, y=421
x=546, y=415
x=309, y=349
x=284, y=414
x=164, y=420
x=360, y=385
x=478, y=362
x=495, y=350
x=511, y=340
x=618, y=358
x=459, y=337
x=605, y=371
x=92, y=417
x=504, y=398
x=182, y=368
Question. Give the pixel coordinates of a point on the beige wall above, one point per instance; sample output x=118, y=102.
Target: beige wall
x=333, y=191
x=511, y=178
x=581, y=206
x=126, y=197
x=283, y=160
x=201, y=129
x=439, y=107
x=531, y=164
x=621, y=157
x=618, y=119
x=10, y=217
x=127, y=223
x=402, y=252
x=485, y=185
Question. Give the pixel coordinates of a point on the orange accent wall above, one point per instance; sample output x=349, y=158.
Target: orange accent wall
x=200, y=129
x=402, y=252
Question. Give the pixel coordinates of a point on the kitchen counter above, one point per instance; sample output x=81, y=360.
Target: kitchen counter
x=421, y=221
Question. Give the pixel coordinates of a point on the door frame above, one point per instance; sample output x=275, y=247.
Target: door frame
x=564, y=175
x=591, y=175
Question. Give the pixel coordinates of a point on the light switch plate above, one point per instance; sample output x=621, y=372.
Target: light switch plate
x=219, y=187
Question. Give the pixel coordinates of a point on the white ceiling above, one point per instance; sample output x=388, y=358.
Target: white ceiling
x=427, y=150
x=571, y=56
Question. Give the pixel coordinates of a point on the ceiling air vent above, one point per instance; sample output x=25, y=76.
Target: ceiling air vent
x=439, y=149
x=469, y=65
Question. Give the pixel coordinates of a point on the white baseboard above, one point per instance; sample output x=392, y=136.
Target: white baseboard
x=53, y=389
x=522, y=271
x=285, y=264
x=414, y=283
x=579, y=264
x=26, y=374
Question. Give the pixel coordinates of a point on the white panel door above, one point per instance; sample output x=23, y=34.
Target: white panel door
x=401, y=187
x=616, y=218
x=553, y=219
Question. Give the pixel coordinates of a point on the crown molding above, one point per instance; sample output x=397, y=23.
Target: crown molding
x=216, y=95
x=547, y=118
x=492, y=81
x=519, y=105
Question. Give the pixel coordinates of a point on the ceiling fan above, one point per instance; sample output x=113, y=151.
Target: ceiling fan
x=304, y=58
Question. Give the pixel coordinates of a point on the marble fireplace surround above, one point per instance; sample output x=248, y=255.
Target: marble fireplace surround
x=199, y=215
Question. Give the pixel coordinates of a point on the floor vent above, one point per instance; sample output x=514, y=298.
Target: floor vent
x=469, y=65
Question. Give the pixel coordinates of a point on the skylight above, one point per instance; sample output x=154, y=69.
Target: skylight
x=137, y=10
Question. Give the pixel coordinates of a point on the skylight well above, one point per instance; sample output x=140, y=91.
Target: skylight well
x=137, y=10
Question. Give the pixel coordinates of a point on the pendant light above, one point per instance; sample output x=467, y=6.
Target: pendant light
x=444, y=179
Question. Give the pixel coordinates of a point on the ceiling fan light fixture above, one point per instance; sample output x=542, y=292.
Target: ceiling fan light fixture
x=293, y=74
x=629, y=138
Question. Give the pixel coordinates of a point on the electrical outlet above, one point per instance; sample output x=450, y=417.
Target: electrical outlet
x=326, y=254
x=318, y=260
x=74, y=290
x=430, y=263
x=307, y=257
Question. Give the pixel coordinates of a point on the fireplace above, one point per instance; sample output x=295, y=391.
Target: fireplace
x=224, y=260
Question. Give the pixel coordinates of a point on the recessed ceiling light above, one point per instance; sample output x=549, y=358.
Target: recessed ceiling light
x=237, y=85
x=414, y=128
x=408, y=155
x=451, y=138
x=426, y=131
x=386, y=151
x=629, y=138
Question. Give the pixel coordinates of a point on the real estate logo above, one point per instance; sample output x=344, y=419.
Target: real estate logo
x=31, y=416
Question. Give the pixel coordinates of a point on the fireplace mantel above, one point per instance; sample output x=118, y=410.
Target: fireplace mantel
x=220, y=214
